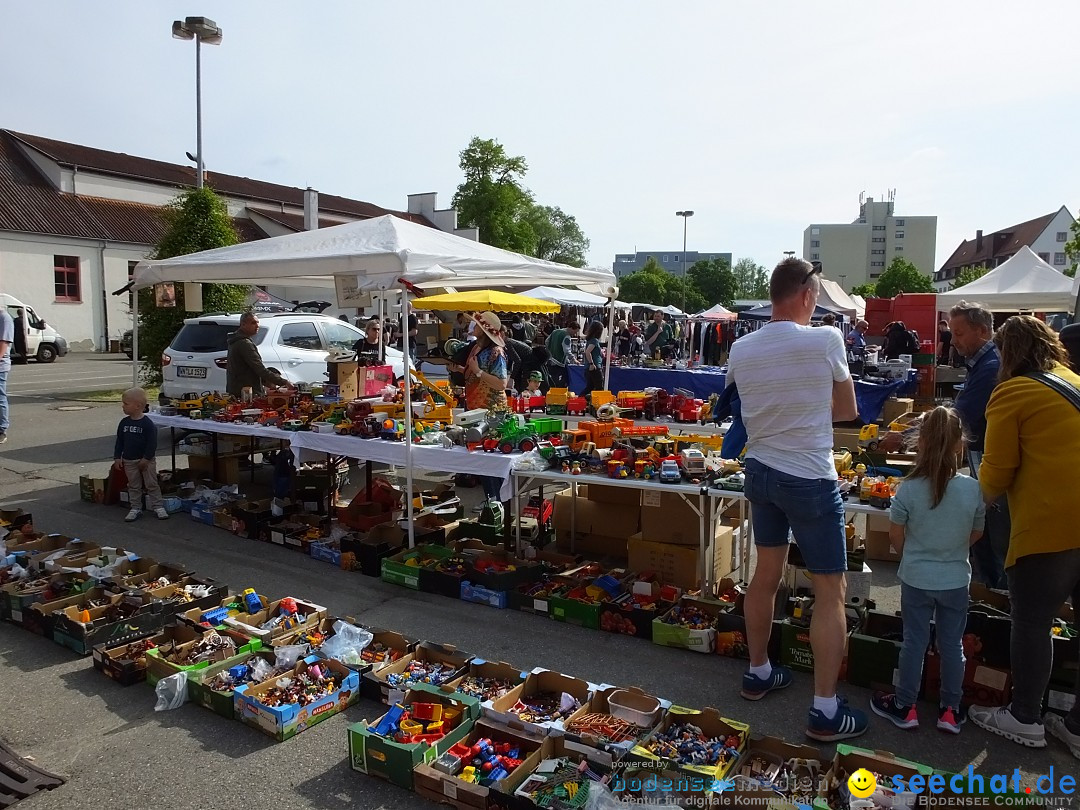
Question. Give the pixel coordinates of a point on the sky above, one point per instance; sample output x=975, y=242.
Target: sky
x=762, y=117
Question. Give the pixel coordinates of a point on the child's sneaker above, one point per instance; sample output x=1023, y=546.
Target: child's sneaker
x=844, y=725
x=950, y=719
x=161, y=513
x=885, y=704
x=133, y=515
x=755, y=688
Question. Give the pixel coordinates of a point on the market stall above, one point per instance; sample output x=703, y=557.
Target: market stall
x=1023, y=283
x=374, y=255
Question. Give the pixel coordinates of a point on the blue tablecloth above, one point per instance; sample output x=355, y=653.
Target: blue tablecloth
x=869, y=397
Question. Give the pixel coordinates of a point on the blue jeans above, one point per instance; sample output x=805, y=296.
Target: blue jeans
x=948, y=610
x=989, y=552
x=491, y=484
x=810, y=508
x=4, y=422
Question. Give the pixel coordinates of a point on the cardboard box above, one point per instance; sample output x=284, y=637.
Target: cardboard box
x=225, y=470
x=483, y=596
x=858, y=582
x=139, y=574
x=499, y=670
x=673, y=635
x=370, y=549
x=749, y=790
x=371, y=380
x=796, y=652
x=342, y=373
x=404, y=568
x=846, y=437
x=644, y=786
x=283, y=722
x=201, y=513
x=712, y=725
x=386, y=647
x=666, y=517
x=386, y=758
x=879, y=547
x=847, y=760
x=250, y=516
x=515, y=791
x=612, y=522
x=679, y=565
x=15, y=598
x=539, y=681
x=159, y=666
x=82, y=636
x=894, y=408
x=731, y=637
x=611, y=493
x=605, y=751
x=220, y=703
x=233, y=604
x=445, y=788
x=381, y=689
x=626, y=615
x=983, y=685
x=92, y=490
x=874, y=652
x=251, y=624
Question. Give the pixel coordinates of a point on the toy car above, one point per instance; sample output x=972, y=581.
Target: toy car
x=670, y=472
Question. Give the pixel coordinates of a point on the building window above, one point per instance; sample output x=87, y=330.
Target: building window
x=877, y=264
x=899, y=223
x=665, y=258
x=899, y=234
x=874, y=275
x=877, y=252
x=814, y=257
x=66, y=278
x=1045, y=257
x=815, y=231
x=877, y=239
x=815, y=243
x=899, y=248
x=1059, y=258
x=879, y=227
x=1063, y=236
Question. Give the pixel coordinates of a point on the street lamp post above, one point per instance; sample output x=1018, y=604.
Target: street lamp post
x=200, y=29
x=842, y=277
x=685, y=216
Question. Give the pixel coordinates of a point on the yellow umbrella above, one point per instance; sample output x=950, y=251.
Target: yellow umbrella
x=483, y=300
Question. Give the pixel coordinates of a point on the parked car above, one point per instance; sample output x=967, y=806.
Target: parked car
x=296, y=344
x=127, y=344
x=43, y=342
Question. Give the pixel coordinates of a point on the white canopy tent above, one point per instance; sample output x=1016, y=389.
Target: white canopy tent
x=833, y=297
x=376, y=254
x=860, y=305
x=717, y=312
x=1023, y=282
x=571, y=298
x=671, y=309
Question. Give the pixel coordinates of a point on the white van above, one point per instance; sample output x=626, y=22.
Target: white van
x=42, y=341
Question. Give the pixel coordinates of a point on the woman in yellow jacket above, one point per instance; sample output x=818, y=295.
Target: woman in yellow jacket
x=1032, y=452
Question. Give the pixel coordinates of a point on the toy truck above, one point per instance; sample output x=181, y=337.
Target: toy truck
x=546, y=426
x=692, y=461
x=670, y=472
x=576, y=405
x=634, y=402
x=556, y=401
x=868, y=437
x=686, y=409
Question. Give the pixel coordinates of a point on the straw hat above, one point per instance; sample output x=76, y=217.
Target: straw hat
x=492, y=326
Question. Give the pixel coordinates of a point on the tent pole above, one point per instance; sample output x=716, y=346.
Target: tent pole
x=610, y=342
x=135, y=339
x=408, y=415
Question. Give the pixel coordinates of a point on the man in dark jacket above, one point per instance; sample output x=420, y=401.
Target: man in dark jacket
x=244, y=367
x=522, y=360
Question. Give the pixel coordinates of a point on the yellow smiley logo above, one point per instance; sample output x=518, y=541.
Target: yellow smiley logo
x=862, y=783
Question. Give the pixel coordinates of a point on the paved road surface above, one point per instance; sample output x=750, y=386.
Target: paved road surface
x=84, y=371
x=116, y=750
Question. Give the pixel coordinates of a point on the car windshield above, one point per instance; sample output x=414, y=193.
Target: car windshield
x=204, y=337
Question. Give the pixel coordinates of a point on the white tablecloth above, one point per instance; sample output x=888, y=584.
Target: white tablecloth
x=424, y=457
x=213, y=426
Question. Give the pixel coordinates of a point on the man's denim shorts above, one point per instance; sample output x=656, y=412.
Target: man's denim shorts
x=809, y=507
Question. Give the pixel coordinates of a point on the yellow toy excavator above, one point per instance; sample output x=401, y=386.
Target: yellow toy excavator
x=435, y=411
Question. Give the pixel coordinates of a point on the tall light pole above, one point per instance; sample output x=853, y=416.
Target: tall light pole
x=842, y=277
x=200, y=29
x=685, y=216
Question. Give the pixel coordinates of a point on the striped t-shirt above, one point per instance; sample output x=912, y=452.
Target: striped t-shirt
x=785, y=373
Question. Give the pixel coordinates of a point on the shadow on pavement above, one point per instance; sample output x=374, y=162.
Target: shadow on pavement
x=29, y=652
x=340, y=787
x=82, y=451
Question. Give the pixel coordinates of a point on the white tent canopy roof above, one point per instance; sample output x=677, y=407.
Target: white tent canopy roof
x=671, y=309
x=571, y=298
x=833, y=297
x=1024, y=282
x=717, y=312
x=860, y=305
x=374, y=254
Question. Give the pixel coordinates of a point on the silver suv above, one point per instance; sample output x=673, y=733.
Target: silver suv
x=296, y=344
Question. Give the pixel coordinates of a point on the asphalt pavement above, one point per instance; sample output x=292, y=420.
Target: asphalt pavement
x=115, y=749
x=77, y=372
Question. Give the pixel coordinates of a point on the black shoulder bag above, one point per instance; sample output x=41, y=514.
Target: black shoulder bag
x=1062, y=386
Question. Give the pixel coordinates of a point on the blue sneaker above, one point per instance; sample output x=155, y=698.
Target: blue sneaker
x=755, y=688
x=846, y=724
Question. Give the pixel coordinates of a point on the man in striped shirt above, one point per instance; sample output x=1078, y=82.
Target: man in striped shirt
x=793, y=382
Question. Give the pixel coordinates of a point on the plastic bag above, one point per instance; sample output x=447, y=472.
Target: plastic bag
x=171, y=692
x=347, y=643
x=260, y=670
x=286, y=656
x=531, y=461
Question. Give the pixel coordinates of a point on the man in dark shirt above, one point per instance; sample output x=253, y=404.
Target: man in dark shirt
x=244, y=366
x=658, y=335
x=944, y=345
x=972, y=327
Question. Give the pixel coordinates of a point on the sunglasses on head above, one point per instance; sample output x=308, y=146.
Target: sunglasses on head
x=815, y=269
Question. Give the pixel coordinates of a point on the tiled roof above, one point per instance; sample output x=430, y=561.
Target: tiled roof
x=293, y=221
x=157, y=171
x=1000, y=244
x=30, y=204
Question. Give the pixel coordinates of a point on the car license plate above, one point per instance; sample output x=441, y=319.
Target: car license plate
x=190, y=371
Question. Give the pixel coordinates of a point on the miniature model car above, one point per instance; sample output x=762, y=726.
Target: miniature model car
x=670, y=472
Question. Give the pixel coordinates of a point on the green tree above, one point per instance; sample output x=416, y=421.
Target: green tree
x=558, y=236
x=752, y=280
x=492, y=197
x=691, y=301
x=902, y=276
x=968, y=275
x=197, y=219
x=1072, y=249
x=865, y=290
x=646, y=285
x=715, y=282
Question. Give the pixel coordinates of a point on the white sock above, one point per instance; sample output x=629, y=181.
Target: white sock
x=828, y=706
x=764, y=671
